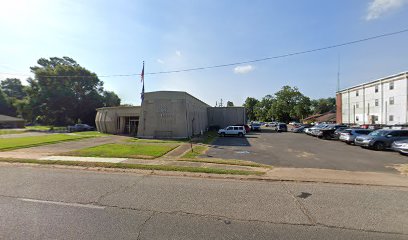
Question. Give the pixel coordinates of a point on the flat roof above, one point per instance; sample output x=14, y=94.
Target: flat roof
x=182, y=92
x=117, y=107
x=374, y=81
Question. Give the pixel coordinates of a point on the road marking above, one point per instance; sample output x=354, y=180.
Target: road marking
x=62, y=203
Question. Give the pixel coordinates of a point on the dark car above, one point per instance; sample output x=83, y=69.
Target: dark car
x=255, y=126
x=381, y=139
x=80, y=128
x=281, y=127
x=328, y=131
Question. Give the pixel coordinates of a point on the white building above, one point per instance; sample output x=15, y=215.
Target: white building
x=382, y=101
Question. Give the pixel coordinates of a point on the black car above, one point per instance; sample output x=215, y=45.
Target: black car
x=281, y=127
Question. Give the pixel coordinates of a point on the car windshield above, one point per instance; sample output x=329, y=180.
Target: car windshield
x=379, y=133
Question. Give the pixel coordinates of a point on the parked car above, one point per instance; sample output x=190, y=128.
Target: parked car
x=381, y=139
x=232, y=130
x=256, y=126
x=298, y=129
x=80, y=128
x=337, y=133
x=281, y=127
x=327, y=132
x=400, y=146
x=349, y=135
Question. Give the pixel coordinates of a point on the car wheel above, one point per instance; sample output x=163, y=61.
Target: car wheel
x=222, y=134
x=240, y=135
x=379, y=146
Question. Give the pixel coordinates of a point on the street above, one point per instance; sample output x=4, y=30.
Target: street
x=53, y=203
x=302, y=151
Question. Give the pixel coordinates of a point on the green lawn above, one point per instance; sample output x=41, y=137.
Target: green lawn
x=3, y=132
x=135, y=166
x=197, y=150
x=38, y=128
x=125, y=150
x=23, y=142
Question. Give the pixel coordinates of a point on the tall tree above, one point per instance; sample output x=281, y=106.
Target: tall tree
x=249, y=105
x=64, y=92
x=323, y=105
x=6, y=108
x=230, y=104
x=290, y=104
x=263, y=108
x=13, y=88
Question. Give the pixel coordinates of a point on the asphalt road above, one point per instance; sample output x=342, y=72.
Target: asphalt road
x=303, y=151
x=48, y=203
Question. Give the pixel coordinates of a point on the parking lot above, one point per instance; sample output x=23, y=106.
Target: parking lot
x=303, y=151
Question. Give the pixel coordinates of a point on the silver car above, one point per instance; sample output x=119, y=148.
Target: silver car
x=349, y=135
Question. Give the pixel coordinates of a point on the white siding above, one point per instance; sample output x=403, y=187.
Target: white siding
x=361, y=109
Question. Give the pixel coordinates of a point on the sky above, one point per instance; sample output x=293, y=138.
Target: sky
x=115, y=37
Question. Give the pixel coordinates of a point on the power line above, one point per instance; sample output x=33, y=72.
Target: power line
x=243, y=62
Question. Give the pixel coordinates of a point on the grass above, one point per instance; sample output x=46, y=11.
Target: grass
x=91, y=134
x=38, y=128
x=142, y=140
x=135, y=166
x=125, y=150
x=227, y=162
x=24, y=142
x=197, y=150
x=3, y=132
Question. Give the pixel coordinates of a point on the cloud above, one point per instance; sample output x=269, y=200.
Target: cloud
x=377, y=8
x=243, y=69
x=160, y=61
x=178, y=53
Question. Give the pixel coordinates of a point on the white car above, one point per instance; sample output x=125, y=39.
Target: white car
x=232, y=130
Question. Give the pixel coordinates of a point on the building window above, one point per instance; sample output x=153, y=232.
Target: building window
x=357, y=93
x=391, y=118
x=391, y=100
x=376, y=102
x=376, y=88
x=391, y=85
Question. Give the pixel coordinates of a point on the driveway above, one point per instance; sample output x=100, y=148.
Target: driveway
x=303, y=151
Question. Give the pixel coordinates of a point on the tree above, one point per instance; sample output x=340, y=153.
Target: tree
x=263, y=108
x=13, y=88
x=323, y=105
x=110, y=99
x=6, y=108
x=63, y=92
x=290, y=104
x=250, y=107
x=230, y=104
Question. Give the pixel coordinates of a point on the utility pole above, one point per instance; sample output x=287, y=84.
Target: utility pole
x=338, y=73
x=221, y=103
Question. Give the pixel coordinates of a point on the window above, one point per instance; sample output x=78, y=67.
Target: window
x=357, y=118
x=357, y=93
x=376, y=118
x=391, y=118
x=236, y=128
x=230, y=128
x=376, y=102
x=376, y=88
x=391, y=85
x=391, y=100
x=118, y=123
x=404, y=133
